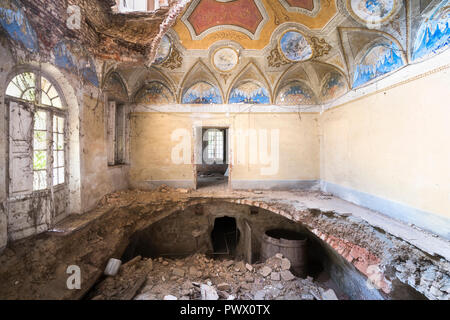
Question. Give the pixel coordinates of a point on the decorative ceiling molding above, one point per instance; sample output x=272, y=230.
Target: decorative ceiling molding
x=302, y=6
x=174, y=61
x=212, y=26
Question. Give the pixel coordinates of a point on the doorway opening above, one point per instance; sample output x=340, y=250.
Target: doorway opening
x=213, y=169
x=225, y=237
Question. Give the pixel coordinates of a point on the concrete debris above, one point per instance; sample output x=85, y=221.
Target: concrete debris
x=199, y=278
x=208, y=292
x=275, y=276
x=287, y=275
x=265, y=271
x=178, y=272
x=285, y=264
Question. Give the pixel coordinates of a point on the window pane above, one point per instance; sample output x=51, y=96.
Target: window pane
x=40, y=120
x=40, y=140
x=55, y=159
x=55, y=177
x=29, y=95
x=56, y=102
x=60, y=144
x=13, y=90
x=60, y=158
x=61, y=175
x=39, y=180
x=52, y=93
x=45, y=84
x=60, y=125
x=40, y=160
x=45, y=99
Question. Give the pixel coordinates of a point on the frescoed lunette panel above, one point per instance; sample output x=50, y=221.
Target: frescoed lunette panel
x=433, y=35
x=249, y=92
x=380, y=59
x=202, y=93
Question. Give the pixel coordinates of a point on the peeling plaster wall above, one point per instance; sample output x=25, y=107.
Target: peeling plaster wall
x=389, y=151
x=4, y=71
x=152, y=145
x=97, y=177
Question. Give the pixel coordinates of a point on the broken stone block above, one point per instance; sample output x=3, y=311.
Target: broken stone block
x=249, y=279
x=240, y=266
x=286, y=275
x=265, y=271
x=208, y=292
x=193, y=271
x=170, y=297
x=329, y=295
x=275, y=276
x=113, y=266
x=279, y=256
x=228, y=263
x=249, y=267
x=259, y=295
x=285, y=264
x=178, y=272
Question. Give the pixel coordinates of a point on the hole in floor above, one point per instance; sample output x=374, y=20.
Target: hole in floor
x=212, y=242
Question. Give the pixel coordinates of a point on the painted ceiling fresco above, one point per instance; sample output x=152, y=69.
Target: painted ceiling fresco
x=202, y=93
x=154, y=93
x=342, y=44
x=296, y=93
x=75, y=59
x=16, y=24
x=379, y=60
x=208, y=14
x=293, y=52
x=434, y=34
x=249, y=92
x=305, y=4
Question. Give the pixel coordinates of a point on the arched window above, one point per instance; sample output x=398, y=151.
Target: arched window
x=37, y=139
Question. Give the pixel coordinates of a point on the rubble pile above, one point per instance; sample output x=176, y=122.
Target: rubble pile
x=200, y=278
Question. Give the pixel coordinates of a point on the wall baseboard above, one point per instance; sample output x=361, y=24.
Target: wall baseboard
x=276, y=184
x=152, y=184
x=422, y=219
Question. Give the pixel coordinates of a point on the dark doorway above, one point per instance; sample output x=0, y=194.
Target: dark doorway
x=225, y=237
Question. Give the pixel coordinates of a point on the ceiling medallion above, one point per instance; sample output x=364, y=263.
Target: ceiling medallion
x=225, y=59
x=164, y=50
x=294, y=46
x=297, y=48
x=174, y=61
x=372, y=12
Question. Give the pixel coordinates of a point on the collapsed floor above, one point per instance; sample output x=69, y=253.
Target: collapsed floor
x=200, y=278
x=361, y=246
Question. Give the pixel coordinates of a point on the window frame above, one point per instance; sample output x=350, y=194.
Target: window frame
x=51, y=112
x=215, y=145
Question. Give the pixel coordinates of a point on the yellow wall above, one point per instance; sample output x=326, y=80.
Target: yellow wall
x=97, y=177
x=393, y=144
x=151, y=145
